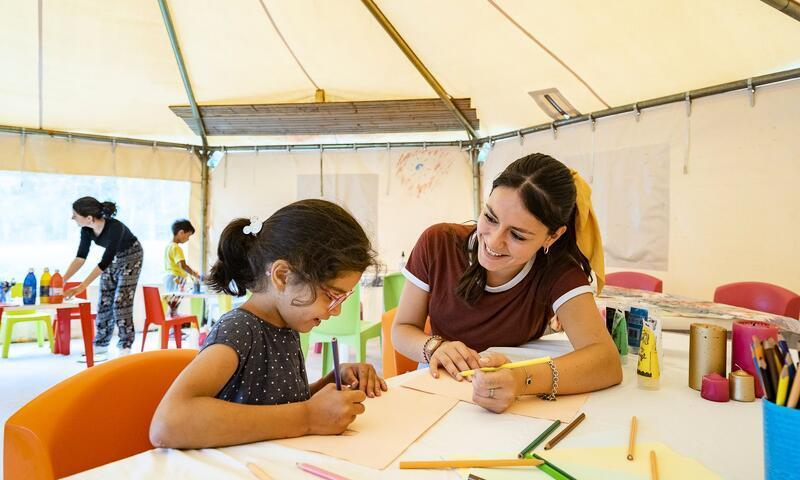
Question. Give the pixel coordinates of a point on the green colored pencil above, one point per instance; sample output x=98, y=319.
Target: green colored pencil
x=541, y=438
x=548, y=464
x=552, y=472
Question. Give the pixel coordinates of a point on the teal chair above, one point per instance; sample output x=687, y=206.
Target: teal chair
x=348, y=329
x=393, y=284
x=42, y=319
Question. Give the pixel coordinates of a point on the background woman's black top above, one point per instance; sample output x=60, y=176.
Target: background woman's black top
x=115, y=237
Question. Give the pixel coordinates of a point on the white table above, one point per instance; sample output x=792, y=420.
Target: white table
x=726, y=438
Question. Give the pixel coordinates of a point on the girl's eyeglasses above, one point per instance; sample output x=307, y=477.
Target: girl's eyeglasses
x=336, y=299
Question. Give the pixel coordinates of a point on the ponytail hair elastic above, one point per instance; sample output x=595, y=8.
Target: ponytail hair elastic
x=254, y=227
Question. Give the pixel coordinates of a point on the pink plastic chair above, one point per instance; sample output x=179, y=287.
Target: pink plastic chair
x=764, y=297
x=639, y=281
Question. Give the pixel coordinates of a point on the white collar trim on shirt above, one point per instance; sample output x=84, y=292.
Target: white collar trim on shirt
x=511, y=283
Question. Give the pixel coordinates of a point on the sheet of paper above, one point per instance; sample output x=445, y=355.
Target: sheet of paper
x=565, y=408
x=388, y=426
x=608, y=462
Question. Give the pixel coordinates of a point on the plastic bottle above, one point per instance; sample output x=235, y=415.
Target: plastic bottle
x=57, y=288
x=648, y=369
x=29, y=288
x=44, y=286
x=635, y=324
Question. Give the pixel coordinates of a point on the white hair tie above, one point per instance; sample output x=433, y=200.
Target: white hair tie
x=254, y=227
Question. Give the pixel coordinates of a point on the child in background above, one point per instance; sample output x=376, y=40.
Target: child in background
x=249, y=382
x=174, y=261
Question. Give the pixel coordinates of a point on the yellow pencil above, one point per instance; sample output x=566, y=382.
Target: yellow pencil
x=653, y=466
x=435, y=464
x=794, y=394
x=524, y=363
x=258, y=472
x=783, y=386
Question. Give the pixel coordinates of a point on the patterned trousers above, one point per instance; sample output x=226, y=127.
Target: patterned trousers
x=117, y=289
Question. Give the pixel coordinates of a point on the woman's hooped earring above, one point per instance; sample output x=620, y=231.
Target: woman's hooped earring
x=546, y=249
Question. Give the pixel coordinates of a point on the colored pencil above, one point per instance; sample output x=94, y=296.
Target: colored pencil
x=336, y=375
x=538, y=440
x=766, y=383
x=653, y=466
x=779, y=356
x=758, y=375
x=787, y=360
x=314, y=470
x=783, y=387
x=551, y=472
x=794, y=395
x=772, y=369
x=783, y=345
x=632, y=440
x=549, y=464
x=475, y=463
x=256, y=470
x=552, y=443
x=523, y=363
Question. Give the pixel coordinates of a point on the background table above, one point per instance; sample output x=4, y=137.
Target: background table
x=679, y=312
x=64, y=310
x=725, y=437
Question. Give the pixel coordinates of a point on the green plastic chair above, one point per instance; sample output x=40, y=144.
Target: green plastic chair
x=348, y=329
x=393, y=284
x=44, y=325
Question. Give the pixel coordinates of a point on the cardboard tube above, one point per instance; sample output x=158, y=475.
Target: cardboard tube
x=708, y=348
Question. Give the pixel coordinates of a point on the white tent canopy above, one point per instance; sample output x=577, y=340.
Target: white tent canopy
x=108, y=68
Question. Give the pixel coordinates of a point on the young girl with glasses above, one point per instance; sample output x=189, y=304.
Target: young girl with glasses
x=249, y=381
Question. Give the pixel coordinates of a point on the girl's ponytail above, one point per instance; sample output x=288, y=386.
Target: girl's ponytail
x=233, y=273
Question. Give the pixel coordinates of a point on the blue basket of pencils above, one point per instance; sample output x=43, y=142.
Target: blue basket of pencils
x=779, y=375
x=781, y=429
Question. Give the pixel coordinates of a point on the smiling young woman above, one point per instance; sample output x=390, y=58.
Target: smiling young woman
x=499, y=284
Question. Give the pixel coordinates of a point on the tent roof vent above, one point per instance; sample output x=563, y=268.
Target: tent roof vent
x=554, y=104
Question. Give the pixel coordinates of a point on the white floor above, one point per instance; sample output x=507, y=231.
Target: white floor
x=30, y=370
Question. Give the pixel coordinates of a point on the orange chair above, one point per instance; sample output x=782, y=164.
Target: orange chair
x=764, y=297
x=154, y=309
x=393, y=362
x=98, y=416
x=639, y=281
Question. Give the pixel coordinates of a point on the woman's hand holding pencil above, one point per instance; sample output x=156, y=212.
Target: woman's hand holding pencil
x=495, y=390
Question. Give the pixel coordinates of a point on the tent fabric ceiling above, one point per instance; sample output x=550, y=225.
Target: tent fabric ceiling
x=108, y=67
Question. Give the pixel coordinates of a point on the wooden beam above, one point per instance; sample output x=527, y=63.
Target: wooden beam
x=378, y=116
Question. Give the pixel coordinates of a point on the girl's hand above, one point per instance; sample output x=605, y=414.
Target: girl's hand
x=454, y=357
x=330, y=411
x=494, y=391
x=362, y=376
